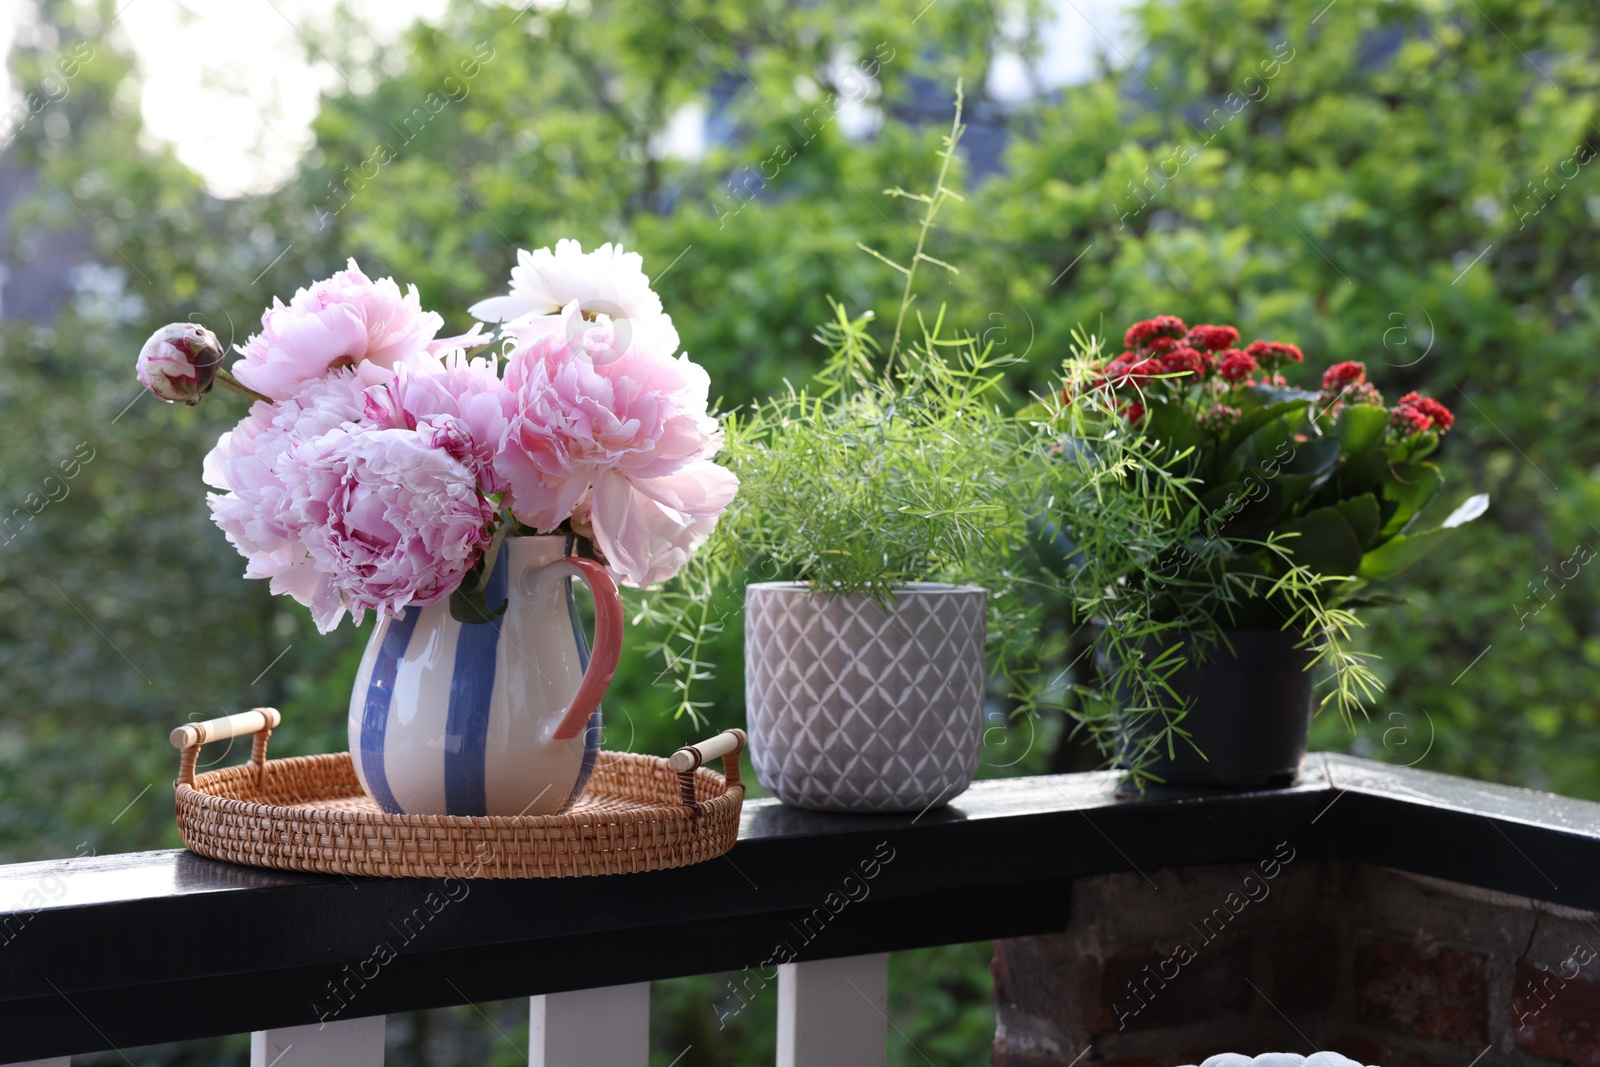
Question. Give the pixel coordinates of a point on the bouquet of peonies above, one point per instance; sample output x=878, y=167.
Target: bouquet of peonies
x=381, y=464
x=1336, y=474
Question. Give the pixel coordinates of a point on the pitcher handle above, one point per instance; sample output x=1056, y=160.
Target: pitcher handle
x=607, y=641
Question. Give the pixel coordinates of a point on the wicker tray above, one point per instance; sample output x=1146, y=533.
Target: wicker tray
x=308, y=813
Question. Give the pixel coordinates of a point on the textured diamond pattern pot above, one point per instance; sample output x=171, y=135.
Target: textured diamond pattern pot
x=854, y=708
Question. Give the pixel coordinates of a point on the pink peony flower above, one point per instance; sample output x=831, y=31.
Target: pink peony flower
x=463, y=399
x=346, y=320
x=359, y=493
x=254, y=508
x=180, y=362
x=644, y=540
x=626, y=431
x=370, y=478
x=389, y=517
x=608, y=284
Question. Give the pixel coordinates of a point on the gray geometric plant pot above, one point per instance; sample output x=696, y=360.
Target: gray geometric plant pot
x=852, y=708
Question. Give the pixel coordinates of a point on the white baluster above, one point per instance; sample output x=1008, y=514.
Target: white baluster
x=834, y=1013
x=346, y=1043
x=608, y=1027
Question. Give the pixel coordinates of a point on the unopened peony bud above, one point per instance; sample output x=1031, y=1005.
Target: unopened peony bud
x=180, y=362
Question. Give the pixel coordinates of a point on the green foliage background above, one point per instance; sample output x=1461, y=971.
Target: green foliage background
x=1395, y=181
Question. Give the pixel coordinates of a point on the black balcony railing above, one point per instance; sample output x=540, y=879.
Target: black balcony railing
x=127, y=950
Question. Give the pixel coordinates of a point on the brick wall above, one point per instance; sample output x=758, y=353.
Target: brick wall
x=1294, y=953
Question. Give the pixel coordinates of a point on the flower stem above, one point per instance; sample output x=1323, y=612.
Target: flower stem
x=229, y=382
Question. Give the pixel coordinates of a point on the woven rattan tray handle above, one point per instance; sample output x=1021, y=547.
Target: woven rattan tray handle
x=728, y=744
x=188, y=738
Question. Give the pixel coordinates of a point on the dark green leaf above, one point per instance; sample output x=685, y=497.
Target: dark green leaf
x=1254, y=420
x=1294, y=488
x=1362, y=513
x=1401, y=553
x=1056, y=550
x=1311, y=465
x=1173, y=424
x=1374, y=600
x=1314, y=456
x=1261, y=396
x=1326, y=543
x=1406, y=488
x=1361, y=473
x=471, y=606
x=1266, y=444
x=1215, y=501
x=1360, y=427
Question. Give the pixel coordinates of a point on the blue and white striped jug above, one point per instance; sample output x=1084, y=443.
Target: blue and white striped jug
x=496, y=718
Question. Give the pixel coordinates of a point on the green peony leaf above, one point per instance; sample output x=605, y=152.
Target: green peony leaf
x=471, y=606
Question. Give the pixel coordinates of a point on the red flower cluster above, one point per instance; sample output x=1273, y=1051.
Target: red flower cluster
x=1164, y=352
x=1275, y=353
x=1180, y=356
x=1409, y=420
x=1187, y=361
x=1131, y=369
x=1140, y=333
x=1237, y=366
x=1344, y=375
x=1213, y=338
x=1418, y=413
x=1190, y=354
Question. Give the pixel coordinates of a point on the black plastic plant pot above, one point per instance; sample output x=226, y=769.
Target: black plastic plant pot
x=1249, y=710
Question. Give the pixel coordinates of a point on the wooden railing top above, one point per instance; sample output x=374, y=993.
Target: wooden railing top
x=126, y=950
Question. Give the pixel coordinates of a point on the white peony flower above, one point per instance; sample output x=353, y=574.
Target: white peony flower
x=608, y=284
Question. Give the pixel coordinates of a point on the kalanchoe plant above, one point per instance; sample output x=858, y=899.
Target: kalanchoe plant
x=1337, y=475
x=1299, y=497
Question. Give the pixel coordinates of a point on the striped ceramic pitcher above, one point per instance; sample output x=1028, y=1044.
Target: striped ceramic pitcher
x=496, y=718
